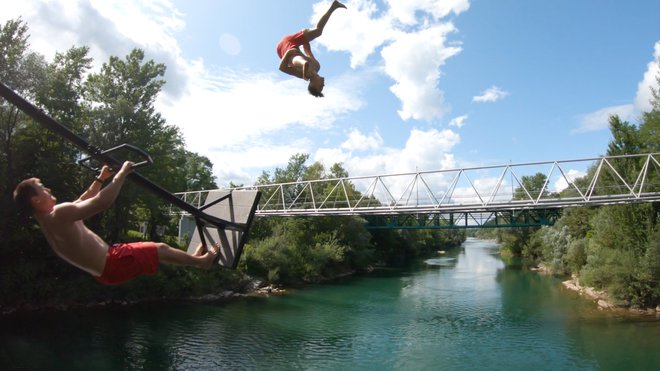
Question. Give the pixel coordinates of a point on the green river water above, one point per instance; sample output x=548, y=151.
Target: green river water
x=464, y=310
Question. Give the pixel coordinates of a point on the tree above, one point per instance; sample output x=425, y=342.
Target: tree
x=122, y=97
x=305, y=248
x=13, y=50
x=625, y=138
x=650, y=128
x=21, y=71
x=198, y=171
x=13, y=53
x=616, y=247
x=519, y=240
x=577, y=219
x=61, y=96
x=532, y=185
x=294, y=171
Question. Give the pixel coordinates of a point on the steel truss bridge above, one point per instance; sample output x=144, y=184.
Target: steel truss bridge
x=524, y=194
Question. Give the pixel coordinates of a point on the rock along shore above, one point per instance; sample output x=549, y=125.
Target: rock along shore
x=602, y=299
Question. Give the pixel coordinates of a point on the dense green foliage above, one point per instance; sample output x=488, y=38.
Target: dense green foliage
x=614, y=248
x=115, y=105
x=298, y=249
x=109, y=107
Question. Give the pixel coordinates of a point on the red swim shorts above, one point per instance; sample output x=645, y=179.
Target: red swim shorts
x=129, y=260
x=290, y=42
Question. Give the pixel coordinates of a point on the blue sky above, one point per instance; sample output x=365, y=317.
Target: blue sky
x=410, y=84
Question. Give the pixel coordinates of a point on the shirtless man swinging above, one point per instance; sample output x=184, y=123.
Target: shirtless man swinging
x=67, y=235
x=304, y=65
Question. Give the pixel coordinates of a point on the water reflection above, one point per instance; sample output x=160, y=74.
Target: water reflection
x=441, y=262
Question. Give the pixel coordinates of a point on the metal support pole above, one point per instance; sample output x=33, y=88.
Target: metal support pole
x=41, y=117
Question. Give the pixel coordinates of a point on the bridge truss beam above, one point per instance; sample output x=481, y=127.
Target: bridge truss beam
x=461, y=220
x=467, y=193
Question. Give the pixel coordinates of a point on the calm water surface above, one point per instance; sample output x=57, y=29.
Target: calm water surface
x=460, y=311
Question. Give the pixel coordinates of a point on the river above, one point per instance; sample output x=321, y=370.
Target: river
x=464, y=310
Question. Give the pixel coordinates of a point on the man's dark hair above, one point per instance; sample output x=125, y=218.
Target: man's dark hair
x=23, y=194
x=314, y=92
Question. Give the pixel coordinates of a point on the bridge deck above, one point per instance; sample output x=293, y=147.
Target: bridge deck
x=568, y=183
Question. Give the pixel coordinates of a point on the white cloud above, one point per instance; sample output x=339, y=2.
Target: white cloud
x=599, y=120
x=359, y=142
x=492, y=94
x=424, y=150
x=643, y=98
x=479, y=191
x=331, y=156
x=219, y=119
x=73, y=22
x=108, y=28
x=407, y=11
x=416, y=79
x=458, y=121
x=151, y=23
x=355, y=30
x=563, y=182
x=410, y=28
x=237, y=164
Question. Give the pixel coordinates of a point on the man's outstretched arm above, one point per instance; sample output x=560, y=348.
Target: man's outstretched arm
x=312, y=66
x=83, y=209
x=308, y=50
x=96, y=185
x=295, y=68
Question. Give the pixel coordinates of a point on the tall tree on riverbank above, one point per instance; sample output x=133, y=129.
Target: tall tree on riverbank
x=519, y=241
x=305, y=248
x=312, y=248
x=616, y=248
x=20, y=70
x=122, y=95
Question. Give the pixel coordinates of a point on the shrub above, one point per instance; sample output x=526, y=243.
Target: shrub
x=576, y=255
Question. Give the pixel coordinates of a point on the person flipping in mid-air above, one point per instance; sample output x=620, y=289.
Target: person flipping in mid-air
x=67, y=235
x=304, y=65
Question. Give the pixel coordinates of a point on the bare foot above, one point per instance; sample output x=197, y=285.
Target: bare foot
x=336, y=4
x=211, y=255
x=199, y=251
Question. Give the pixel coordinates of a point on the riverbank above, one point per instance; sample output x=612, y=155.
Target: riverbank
x=602, y=299
x=255, y=288
x=599, y=297
x=249, y=287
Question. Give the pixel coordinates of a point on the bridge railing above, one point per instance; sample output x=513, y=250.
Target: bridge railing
x=537, y=185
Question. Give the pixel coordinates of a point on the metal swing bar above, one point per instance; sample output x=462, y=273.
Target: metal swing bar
x=103, y=156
